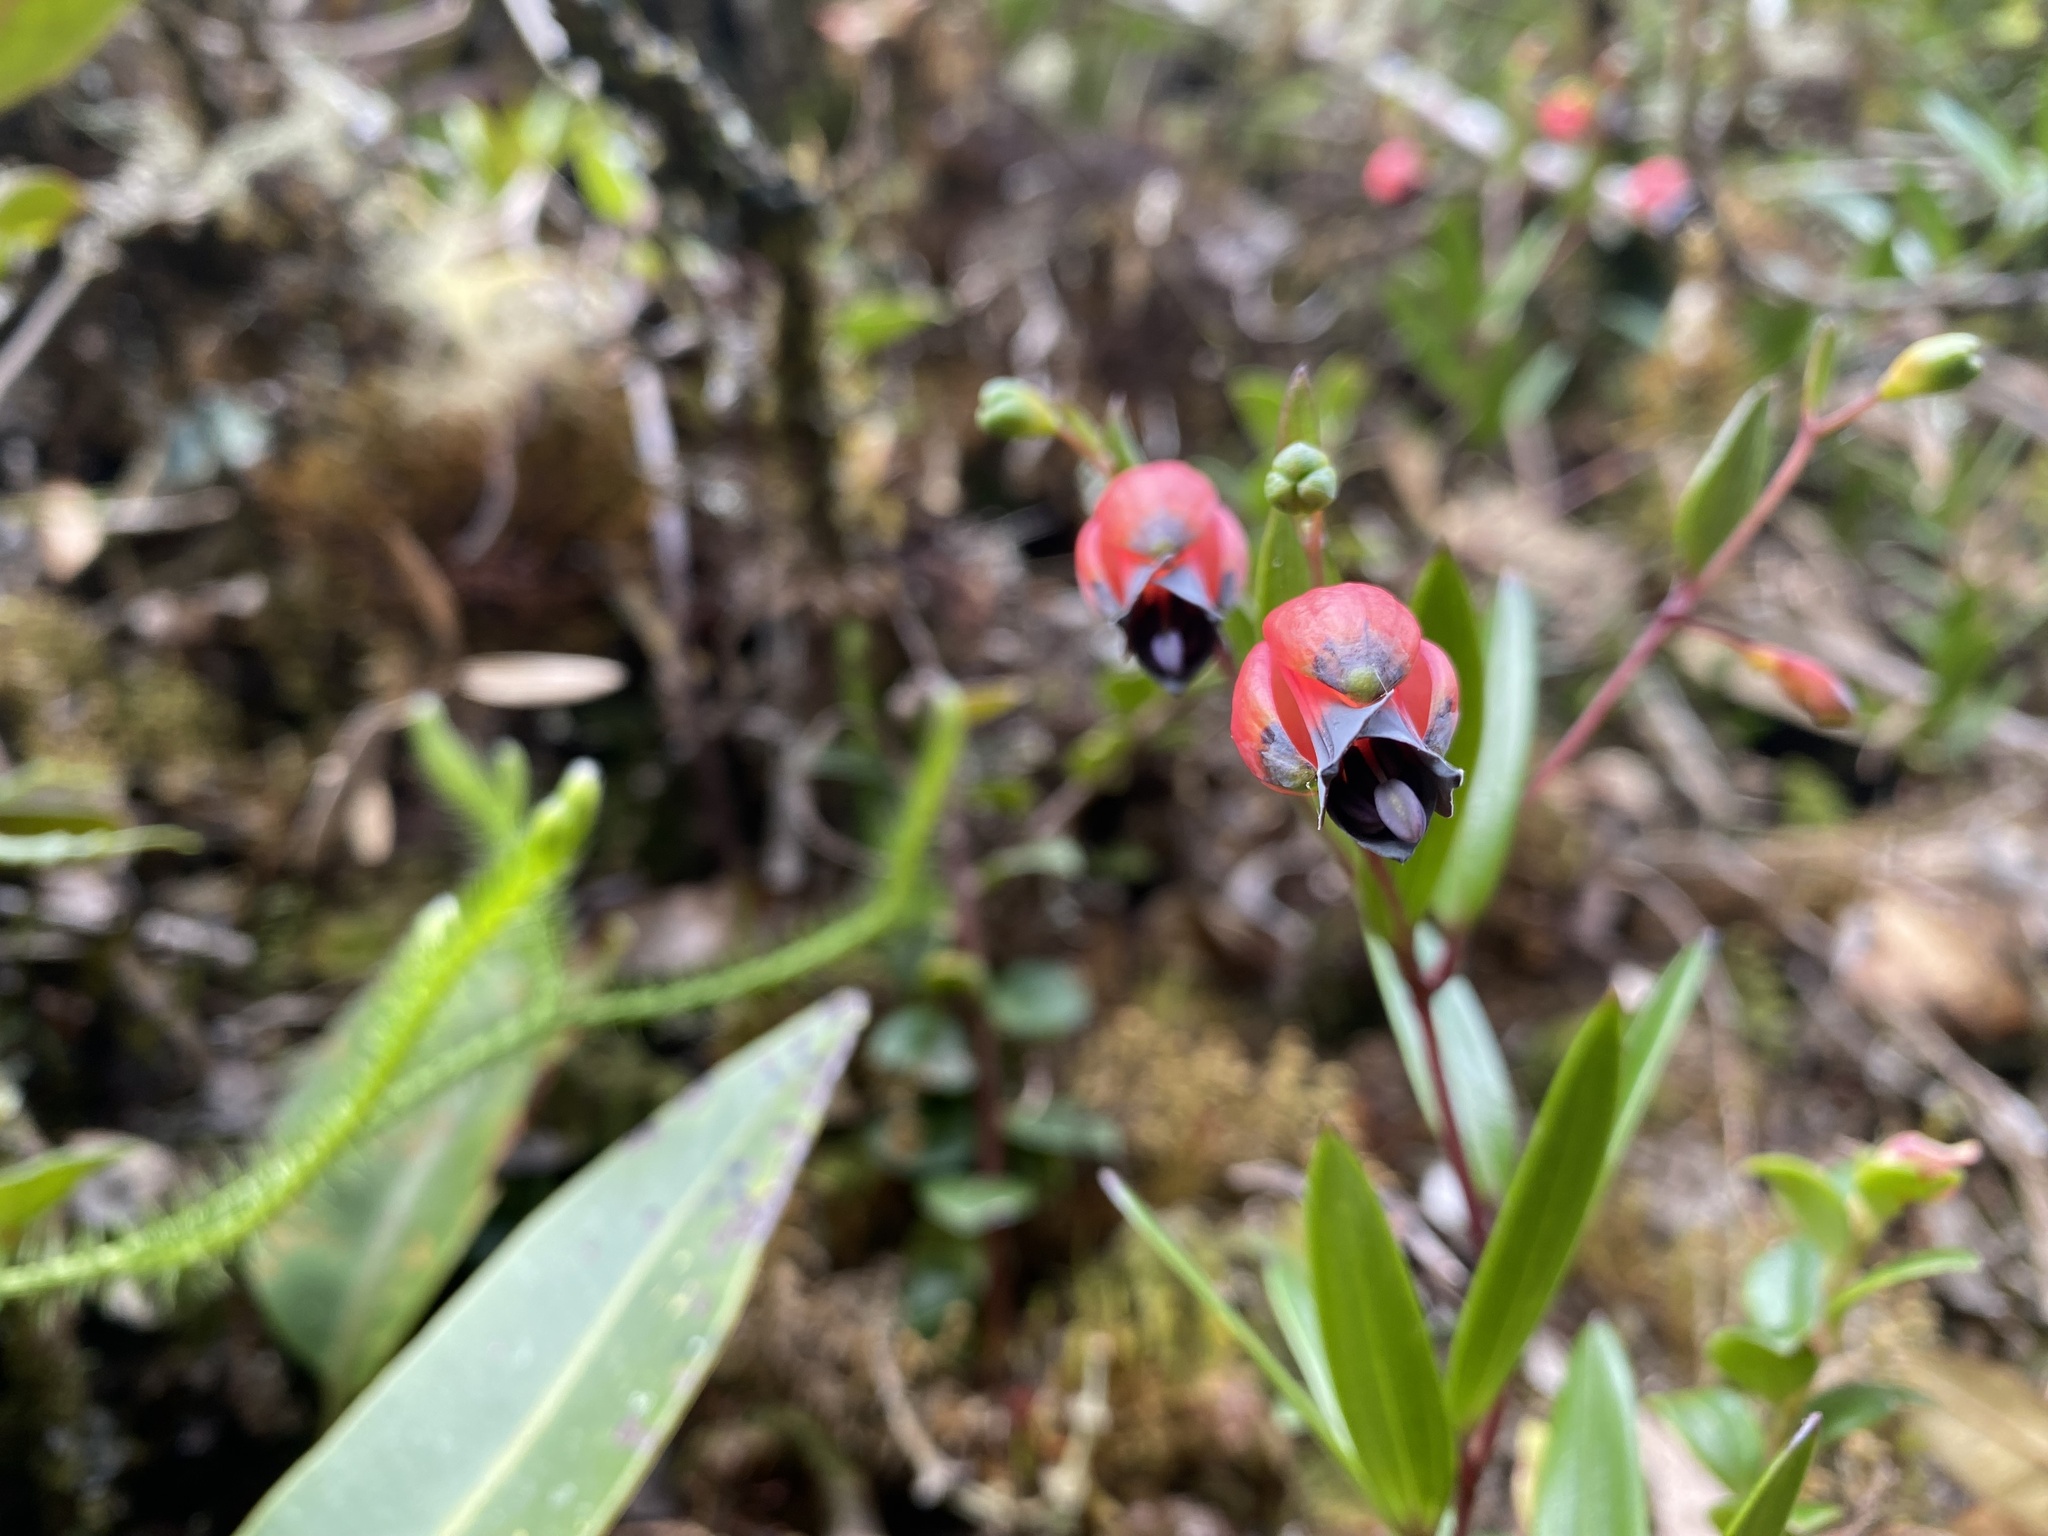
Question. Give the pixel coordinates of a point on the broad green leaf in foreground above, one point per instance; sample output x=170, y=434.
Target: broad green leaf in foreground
x=539, y=1396
x=1539, y=1223
x=42, y=41
x=1490, y=802
x=347, y=1273
x=1769, y=1505
x=1376, y=1344
x=1591, y=1480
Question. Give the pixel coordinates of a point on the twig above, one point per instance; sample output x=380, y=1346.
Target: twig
x=87, y=254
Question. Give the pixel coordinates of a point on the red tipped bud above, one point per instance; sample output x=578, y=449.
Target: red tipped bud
x=1163, y=557
x=1823, y=697
x=1394, y=172
x=1928, y=1157
x=1566, y=114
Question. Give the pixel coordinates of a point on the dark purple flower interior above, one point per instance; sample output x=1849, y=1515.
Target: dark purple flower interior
x=1383, y=793
x=1169, y=637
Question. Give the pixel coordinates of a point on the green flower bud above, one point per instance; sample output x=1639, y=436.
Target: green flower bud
x=1012, y=408
x=563, y=820
x=1933, y=366
x=1302, y=479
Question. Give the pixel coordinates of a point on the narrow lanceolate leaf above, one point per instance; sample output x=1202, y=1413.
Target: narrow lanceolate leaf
x=34, y=1185
x=1591, y=1480
x=35, y=849
x=1293, y=1302
x=1650, y=1038
x=1490, y=803
x=1482, y=1093
x=1924, y=1265
x=1443, y=605
x=1189, y=1273
x=1539, y=1222
x=1725, y=483
x=1376, y=1343
x=346, y=1274
x=537, y=1399
x=42, y=41
x=1769, y=1505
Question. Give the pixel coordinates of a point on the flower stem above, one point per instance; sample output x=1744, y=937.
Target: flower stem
x=1686, y=593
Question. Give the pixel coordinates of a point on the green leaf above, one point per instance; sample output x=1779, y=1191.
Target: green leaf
x=610, y=171
x=1924, y=1265
x=1376, y=1343
x=1887, y=1186
x=346, y=1274
x=42, y=41
x=1039, y=1000
x=1726, y=481
x=1490, y=803
x=1281, y=568
x=1342, y=385
x=976, y=1204
x=1500, y=312
x=1721, y=1428
x=925, y=1044
x=1781, y=1290
x=1255, y=395
x=541, y=1394
x=1535, y=387
x=1856, y=1405
x=1591, y=1480
x=1651, y=1037
x=1808, y=1195
x=1820, y=366
x=36, y=1184
x=1989, y=152
x=1293, y=1302
x=1756, y=1362
x=1482, y=1094
x=868, y=322
x=38, y=849
x=1443, y=604
x=1176, y=1258
x=36, y=205
x=1062, y=1128
x=1770, y=1504
x=1540, y=1220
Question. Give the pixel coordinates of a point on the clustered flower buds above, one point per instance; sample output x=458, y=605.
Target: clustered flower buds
x=1822, y=696
x=1302, y=479
x=1933, y=366
x=1164, y=559
x=1345, y=702
x=1394, y=172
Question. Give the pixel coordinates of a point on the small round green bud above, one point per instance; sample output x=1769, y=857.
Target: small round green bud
x=1933, y=366
x=1302, y=479
x=1012, y=408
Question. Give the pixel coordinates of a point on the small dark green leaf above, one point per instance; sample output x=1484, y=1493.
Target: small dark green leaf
x=1490, y=803
x=1924, y=1265
x=1039, y=1000
x=1726, y=481
x=1651, y=1037
x=1755, y=1362
x=1591, y=1480
x=1540, y=1220
x=975, y=1204
x=1808, y=1195
x=1770, y=1504
x=1175, y=1257
x=925, y=1044
x=1721, y=1428
x=1856, y=1405
x=1781, y=1291
x=1376, y=1343
x=1443, y=604
x=37, y=1184
x=42, y=41
x=1062, y=1128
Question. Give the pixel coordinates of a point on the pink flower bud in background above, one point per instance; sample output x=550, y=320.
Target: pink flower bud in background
x=1394, y=172
x=1657, y=193
x=1823, y=697
x=1567, y=112
x=1928, y=1157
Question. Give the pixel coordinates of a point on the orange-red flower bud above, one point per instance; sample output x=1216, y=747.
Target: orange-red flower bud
x=1394, y=172
x=1162, y=557
x=1567, y=112
x=1820, y=695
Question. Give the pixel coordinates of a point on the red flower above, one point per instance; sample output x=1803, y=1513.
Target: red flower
x=1345, y=701
x=1566, y=114
x=1657, y=193
x=1394, y=172
x=1164, y=559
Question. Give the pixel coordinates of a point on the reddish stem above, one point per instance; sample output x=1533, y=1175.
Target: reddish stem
x=1686, y=593
x=1472, y=1464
